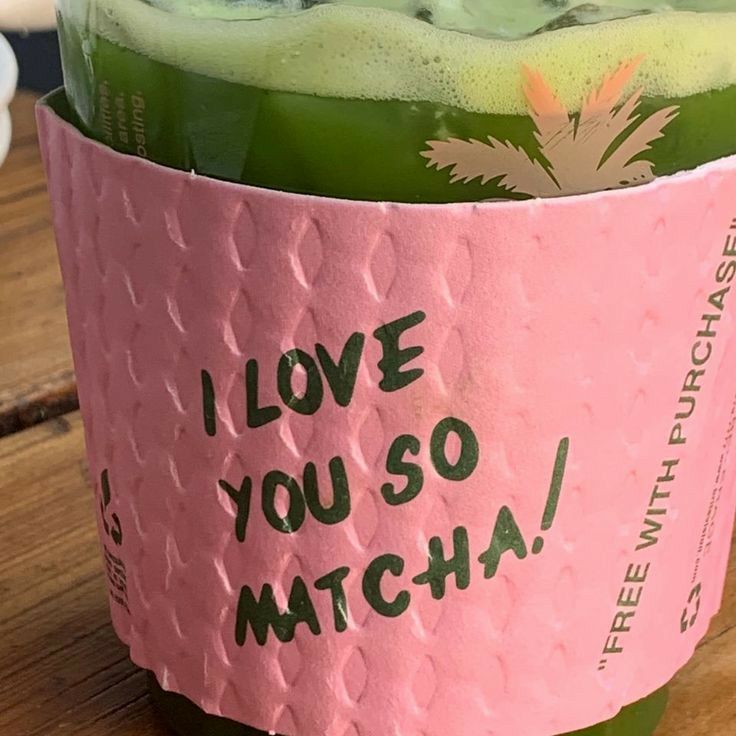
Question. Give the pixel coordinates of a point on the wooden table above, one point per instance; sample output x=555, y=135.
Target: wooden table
x=36, y=376
x=61, y=669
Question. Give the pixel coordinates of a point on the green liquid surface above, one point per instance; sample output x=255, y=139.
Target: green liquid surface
x=354, y=149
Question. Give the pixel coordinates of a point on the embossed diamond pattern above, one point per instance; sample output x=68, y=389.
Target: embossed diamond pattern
x=530, y=335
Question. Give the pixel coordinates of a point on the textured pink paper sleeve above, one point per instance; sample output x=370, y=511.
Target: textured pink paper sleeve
x=586, y=345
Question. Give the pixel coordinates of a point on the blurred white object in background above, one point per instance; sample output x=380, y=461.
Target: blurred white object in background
x=27, y=15
x=8, y=80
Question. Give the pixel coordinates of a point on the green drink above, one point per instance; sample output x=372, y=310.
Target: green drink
x=401, y=101
x=341, y=99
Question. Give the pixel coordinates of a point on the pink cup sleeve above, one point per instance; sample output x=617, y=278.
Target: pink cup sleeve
x=367, y=468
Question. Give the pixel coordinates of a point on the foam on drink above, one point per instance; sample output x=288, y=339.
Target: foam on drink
x=348, y=51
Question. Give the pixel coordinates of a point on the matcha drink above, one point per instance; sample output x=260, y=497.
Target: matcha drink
x=408, y=101
x=341, y=99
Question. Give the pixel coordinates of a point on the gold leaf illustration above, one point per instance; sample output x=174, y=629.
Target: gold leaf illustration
x=587, y=152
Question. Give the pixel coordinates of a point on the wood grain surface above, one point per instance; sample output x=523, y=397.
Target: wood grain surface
x=36, y=376
x=62, y=670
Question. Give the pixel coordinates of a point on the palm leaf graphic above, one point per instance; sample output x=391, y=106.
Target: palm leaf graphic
x=474, y=159
x=550, y=116
x=577, y=148
x=618, y=167
x=608, y=95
